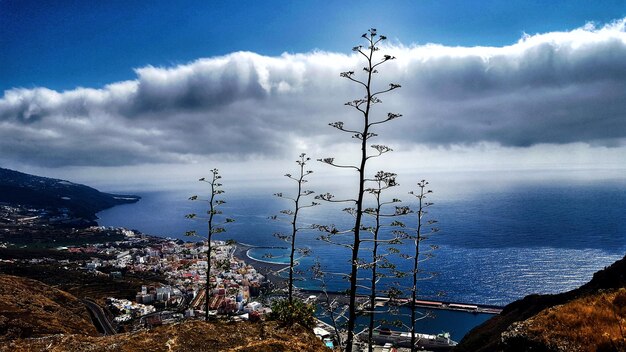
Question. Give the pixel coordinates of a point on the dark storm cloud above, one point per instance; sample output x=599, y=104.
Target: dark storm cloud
x=553, y=88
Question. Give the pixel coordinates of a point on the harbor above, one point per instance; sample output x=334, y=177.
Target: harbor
x=273, y=271
x=437, y=316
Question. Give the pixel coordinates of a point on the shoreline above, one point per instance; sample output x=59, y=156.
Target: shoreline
x=268, y=269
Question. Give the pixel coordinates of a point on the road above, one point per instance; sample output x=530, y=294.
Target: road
x=98, y=313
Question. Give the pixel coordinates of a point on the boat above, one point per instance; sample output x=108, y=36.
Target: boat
x=439, y=342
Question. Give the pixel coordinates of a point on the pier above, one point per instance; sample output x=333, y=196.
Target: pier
x=363, y=303
x=464, y=307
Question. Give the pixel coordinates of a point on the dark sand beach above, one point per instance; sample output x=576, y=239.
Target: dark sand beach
x=269, y=270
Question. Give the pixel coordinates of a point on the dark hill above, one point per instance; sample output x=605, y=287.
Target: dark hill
x=17, y=188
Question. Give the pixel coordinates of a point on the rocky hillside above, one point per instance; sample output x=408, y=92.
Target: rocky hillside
x=563, y=322
x=42, y=192
x=187, y=336
x=592, y=323
x=29, y=308
x=37, y=317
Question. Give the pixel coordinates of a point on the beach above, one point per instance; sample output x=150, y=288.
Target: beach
x=268, y=269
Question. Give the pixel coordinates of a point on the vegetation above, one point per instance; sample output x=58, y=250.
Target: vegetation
x=364, y=133
x=292, y=215
x=81, y=283
x=591, y=323
x=192, y=335
x=295, y=311
x=330, y=306
x=214, y=224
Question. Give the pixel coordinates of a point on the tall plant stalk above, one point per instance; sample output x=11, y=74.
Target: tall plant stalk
x=300, y=179
x=382, y=182
x=418, y=238
x=364, y=134
x=214, y=225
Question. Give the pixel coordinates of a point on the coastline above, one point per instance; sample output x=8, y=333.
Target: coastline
x=268, y=269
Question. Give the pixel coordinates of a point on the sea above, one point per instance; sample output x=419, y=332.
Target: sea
x=496, y=242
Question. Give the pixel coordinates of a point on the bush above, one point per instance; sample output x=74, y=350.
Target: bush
x=291, y=313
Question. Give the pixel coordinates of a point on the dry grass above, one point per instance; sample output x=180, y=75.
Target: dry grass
x=37, y=317
x=187, y=336
x=592, y=323
x=29, y=308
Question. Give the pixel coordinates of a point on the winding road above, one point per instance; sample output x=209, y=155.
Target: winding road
x=101, y=318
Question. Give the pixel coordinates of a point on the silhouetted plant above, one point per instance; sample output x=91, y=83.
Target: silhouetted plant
x=292, y=218
x=364, y=134
x=382, y=181
x=419, y=254
x=215, y=224
x=331, y=307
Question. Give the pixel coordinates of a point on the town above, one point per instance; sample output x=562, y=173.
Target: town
x=118, y=252
x=234, y=283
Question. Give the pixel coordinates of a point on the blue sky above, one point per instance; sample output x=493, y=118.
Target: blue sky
x=120, y=92
x=65, y=44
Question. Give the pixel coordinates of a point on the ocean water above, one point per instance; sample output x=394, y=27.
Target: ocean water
x=496, y=244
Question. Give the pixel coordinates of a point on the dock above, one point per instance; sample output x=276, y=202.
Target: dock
x=464, y=307
x=363, y=303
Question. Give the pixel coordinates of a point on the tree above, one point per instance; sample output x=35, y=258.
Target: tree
x=292, y=215
x=215, y=223
x=363, y=133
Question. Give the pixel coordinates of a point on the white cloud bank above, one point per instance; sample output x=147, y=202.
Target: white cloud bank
x=548, y=89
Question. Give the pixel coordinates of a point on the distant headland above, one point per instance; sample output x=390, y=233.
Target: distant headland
x=60, y=197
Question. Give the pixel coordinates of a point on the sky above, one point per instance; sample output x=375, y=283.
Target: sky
x=129, y=94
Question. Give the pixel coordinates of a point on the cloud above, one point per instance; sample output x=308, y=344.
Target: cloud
x=552, y=88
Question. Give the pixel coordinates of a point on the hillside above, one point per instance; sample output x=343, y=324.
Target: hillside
x=29, y=308
x=560, y=322
x=37, y=317
x=591, y=323
x=17, y=188
x=186, y=336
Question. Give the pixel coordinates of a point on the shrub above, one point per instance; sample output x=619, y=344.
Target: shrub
x=291, y=313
